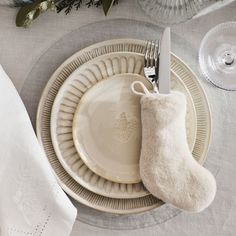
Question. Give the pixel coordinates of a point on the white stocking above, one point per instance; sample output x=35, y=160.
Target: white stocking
x=167, y=167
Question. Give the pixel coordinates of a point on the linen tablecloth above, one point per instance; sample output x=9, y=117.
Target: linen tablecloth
x=21, y=48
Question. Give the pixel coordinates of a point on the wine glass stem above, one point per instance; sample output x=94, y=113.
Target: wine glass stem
x=228, y=59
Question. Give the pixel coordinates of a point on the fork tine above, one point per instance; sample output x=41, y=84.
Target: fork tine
x=151, y=56
x=146, y=54
x=146, y=62
x=157, y=52
x=148, y=51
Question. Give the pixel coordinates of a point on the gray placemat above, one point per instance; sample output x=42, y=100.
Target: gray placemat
x=59, y=52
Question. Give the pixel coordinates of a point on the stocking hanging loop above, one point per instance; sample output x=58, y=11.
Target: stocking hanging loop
x=143, y=87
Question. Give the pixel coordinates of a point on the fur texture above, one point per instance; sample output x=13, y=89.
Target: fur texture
x=167, y=167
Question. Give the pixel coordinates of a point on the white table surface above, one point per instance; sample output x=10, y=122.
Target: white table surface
x=20, y=48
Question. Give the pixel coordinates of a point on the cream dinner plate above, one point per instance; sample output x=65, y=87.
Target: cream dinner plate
x=107, y=131
x=107, y=127
x=76, y=189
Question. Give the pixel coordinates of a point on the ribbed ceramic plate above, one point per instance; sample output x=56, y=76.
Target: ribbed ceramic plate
x=114, y=155
x=77, y=191
x=107, y=127
x=62, y=115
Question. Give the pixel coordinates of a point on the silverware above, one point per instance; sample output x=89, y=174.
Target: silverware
x=151, y=63
x=164, y=65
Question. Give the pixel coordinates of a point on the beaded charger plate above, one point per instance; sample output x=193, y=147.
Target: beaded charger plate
x=77, y=191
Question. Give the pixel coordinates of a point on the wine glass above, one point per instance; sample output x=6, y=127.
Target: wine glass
x=217, y=56
x=168, y=12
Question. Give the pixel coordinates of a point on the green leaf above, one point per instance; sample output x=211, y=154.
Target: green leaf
x=107, y=4
x=22, y=14
x=36, y=14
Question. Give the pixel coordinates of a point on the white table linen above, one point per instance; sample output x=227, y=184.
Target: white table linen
x=31, y=201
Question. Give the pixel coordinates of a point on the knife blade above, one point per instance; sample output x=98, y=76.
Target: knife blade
x=164, y=63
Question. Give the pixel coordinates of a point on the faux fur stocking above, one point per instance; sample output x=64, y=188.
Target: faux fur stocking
x=167, y=167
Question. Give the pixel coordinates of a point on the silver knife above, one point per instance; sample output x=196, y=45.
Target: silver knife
x=164, y=63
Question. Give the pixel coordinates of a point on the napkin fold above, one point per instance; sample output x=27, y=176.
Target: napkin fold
x=31, y=201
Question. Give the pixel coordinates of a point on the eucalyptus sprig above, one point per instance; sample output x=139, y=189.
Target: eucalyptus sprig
x=27, y=14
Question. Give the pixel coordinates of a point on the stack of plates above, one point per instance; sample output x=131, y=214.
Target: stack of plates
x=89, y=124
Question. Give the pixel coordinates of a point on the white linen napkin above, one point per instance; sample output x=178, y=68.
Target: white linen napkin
x=31, y=201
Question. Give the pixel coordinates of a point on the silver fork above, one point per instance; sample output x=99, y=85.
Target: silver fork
x=151, y=63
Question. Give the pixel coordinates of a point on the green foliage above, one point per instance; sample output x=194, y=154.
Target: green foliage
x=27, y=14
x=107, y=4
x=30, y=12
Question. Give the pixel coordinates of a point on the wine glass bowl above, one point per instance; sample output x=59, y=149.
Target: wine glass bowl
x=217, y=56
x=168, y=12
